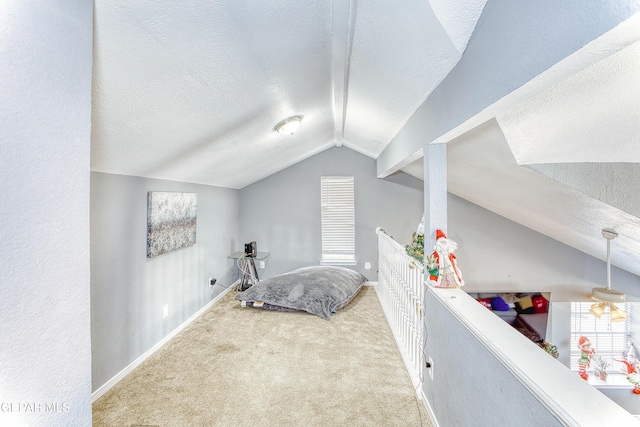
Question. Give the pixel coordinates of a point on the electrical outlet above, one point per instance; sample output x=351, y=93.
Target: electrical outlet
x=165, y=310
x=262, y=264
x=212, y=281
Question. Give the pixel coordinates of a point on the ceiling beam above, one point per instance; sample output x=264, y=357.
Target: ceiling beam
x=342, y=31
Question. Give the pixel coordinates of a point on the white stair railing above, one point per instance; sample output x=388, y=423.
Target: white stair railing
x=400, y=290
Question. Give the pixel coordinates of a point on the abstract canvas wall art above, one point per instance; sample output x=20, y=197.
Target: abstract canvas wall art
x=171, y=221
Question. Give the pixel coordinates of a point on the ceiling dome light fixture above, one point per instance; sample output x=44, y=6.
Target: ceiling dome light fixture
x=289, y=126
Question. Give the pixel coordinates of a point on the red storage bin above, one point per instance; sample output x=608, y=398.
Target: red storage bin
x=540, y=304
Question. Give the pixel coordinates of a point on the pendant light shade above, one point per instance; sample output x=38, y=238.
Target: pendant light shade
x=617, y=314
x=597, y=310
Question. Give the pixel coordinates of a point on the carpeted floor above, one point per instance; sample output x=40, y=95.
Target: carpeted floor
x=238, y=366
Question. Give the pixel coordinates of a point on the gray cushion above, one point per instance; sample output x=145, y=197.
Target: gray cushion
x=318, y=290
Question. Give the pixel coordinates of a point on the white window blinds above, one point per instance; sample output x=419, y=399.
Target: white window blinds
x=338, y=219
x=609, y=339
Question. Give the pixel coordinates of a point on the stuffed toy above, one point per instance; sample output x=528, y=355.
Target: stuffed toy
x=631, y=364
x=585, y=356
x=442, y=265
x=632, y=375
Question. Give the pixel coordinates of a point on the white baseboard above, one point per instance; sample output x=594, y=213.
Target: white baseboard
x=120, y=375
x=432, y=415
x=367, y=283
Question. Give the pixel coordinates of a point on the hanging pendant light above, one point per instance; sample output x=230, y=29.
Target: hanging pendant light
x=617, y=314
x=597, y=309
x=607, y=296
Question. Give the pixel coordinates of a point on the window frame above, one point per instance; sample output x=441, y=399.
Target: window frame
x=609, y=339
x=337, y=220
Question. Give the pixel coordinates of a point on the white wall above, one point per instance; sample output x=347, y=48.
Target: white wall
x=45, y=111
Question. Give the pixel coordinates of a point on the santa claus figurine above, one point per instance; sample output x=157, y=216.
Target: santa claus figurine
x=442, y=265
x=586, y=352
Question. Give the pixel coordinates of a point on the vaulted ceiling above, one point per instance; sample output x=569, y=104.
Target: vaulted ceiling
x=191, y=92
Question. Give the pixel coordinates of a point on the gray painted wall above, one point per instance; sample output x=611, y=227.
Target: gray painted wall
x=623, y=397
x=282, y=212
x=45, y=358
x=129, y=290
x=497, y=254
x=470, y=386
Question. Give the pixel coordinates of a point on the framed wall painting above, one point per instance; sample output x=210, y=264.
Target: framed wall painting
x=171, y=221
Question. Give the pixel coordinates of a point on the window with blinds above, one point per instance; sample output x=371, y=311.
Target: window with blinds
x=609, y=339
x=338, y=219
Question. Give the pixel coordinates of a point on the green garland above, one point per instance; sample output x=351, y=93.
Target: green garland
x=416, y=248
x=549, y=348
x=416, y=251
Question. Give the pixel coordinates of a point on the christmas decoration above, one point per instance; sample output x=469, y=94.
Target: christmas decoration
x=585, y=356
x=442, y=265
x=632, y=375
x=631, y=364
x=549, y=348
x=600, y=367
x=416, y=249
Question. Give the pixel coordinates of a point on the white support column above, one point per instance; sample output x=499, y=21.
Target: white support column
x=435, y=217
x=435, y=193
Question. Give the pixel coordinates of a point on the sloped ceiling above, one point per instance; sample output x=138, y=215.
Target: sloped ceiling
x=483, y=170
x=191, y=91
x=563, y=161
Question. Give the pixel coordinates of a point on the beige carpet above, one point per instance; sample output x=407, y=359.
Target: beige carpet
x=238, y=366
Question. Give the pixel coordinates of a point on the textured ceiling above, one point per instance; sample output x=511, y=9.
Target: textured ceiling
x=191, y=91
x=596, y=110
x=563, y=160
x=482, y=169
